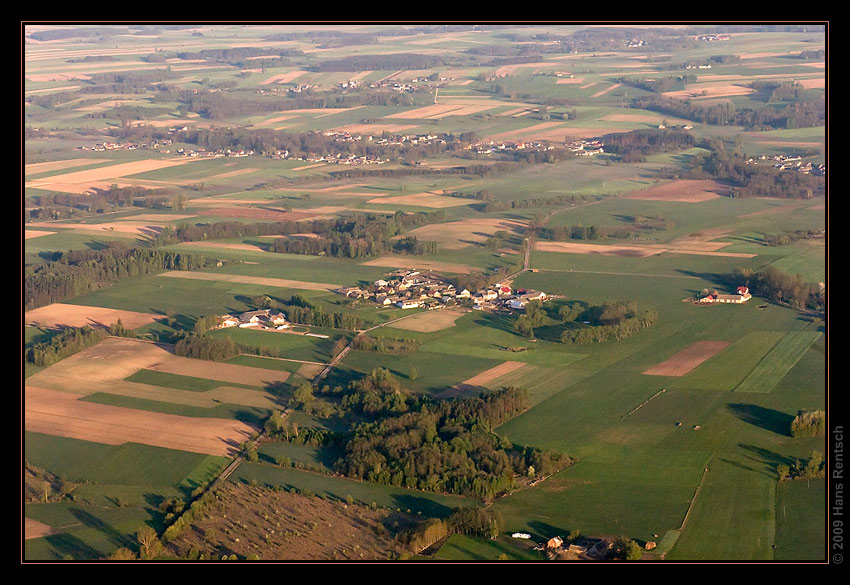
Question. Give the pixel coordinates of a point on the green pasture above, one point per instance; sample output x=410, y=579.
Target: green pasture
x=435, y=371
x=264, y=362
x=733, y=517
x=460, y=547
x=127, y=464
x=801, y=521
x=316, y=458
x=288, y=345
x=611, y=491
x=778, y=361
x=429, y=504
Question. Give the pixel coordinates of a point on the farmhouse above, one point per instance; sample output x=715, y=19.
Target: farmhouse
x=742, y=296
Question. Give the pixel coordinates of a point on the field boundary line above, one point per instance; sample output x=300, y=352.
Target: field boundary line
x=696, y=493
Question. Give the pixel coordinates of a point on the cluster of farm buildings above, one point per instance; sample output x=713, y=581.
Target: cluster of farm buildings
x=791, y=163
x=579, y=147
x=742, y=296
x=582, y=548
x=260, y=319
x=410, y=289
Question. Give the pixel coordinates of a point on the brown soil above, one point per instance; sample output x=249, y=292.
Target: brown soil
x=487, y=376
x=433, y=199
x=29, y=234
x=61, y=414
x=686, y=190
x=686, y=360
x=59, y=314
x=606, y=90
x=571, y=248
x=46, y=167
x=276, y=282
x=429, y=321
x=414, y=263
x=35, y=529
x=278, y=525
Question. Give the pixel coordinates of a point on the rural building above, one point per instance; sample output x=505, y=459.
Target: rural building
x=554, y=542
x=742, y=296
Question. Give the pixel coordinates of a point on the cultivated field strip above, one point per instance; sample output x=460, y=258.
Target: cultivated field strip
x=276, y=282
x=58, y=413
x=778, y=361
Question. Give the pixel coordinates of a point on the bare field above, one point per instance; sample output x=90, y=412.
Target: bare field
x=247, y=247
x=88, y=177
x=493, y=373
x=460, y=234
x=59, y=314
x=606, y=90
x=276, y=282
x=571, y=248
x=430, y=321
x=570, y=80
x=36, y=529
x=374, y=128
x=710, y=90
x=430, y=199
x=284, y=77
x=414, y=263
x=686, y=190
x=29, y=234
x=686, y=360
x=46, y=167
x=125, y=227
x=61, y=414
x=232, y=373
x=440, y=110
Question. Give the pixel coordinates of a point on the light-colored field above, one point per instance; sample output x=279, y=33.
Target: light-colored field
x=686, y=190
x=686, y=360
x=284, y=77
x=42, y=77
x=524, y=133
x=413, y=263
x=429, y=321
x=58, y=165
x=62, y=414
x=571, y=248
x=229, y=174
x=276, y=282
x=507, y=70
x=48, y=90
x=460, y=234
x=488, y=376
x=29, y=234
x=36, y=529
x=606, y=90
x=701, y=91
x=162, y=217
x=642, y=118
x=313, y=166
x=591, y=84
x=270, y=213
x=126, y=227
x=232, y=373
x=59, y=314
x=569, y=80
x=84, y=179
x=812, y=83
x=441, y=110
x=374, y=128
x=429, y=199
x=222, y=246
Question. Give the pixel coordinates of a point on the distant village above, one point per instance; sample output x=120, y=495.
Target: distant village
x=410, y=289
x=791, y=163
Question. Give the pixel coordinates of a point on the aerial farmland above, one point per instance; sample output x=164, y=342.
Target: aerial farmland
x=413, y=293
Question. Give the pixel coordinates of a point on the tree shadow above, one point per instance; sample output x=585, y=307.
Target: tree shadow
x=766, y=418
x=544, y=531
x=770, y=459
x=67, y=546
x=428, y=507
x=116, y=537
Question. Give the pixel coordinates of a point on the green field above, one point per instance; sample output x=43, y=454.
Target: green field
x=778, y=361
x=178, y=381
x=466, y=548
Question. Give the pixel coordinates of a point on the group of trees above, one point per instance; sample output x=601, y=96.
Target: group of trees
x=469, y=521
x=78, y=272
x=206, y=347
x=811, y=468
x=614, y=320
x=749, y=180
x=67, y=342
x=635, y=146
x=299, y=309
x=779, y=286
x=358, y=236
x=448, y=447
x=801, y=112
x=809, y=424
x=389, y=345
x=785, y=238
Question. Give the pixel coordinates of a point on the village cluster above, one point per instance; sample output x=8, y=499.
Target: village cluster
x=579, y=147
x=410, y=289
x=791, y=163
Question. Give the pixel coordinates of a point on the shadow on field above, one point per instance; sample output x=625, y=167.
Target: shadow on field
x=429, y=508
x=543, y=531
x=117, y=538
x=769, y=459
x=765, y=418
x=69, y=547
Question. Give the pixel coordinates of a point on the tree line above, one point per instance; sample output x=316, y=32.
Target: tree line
x=635, y=146
x=774, y=284
x=78, y=272
x=65, y=343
